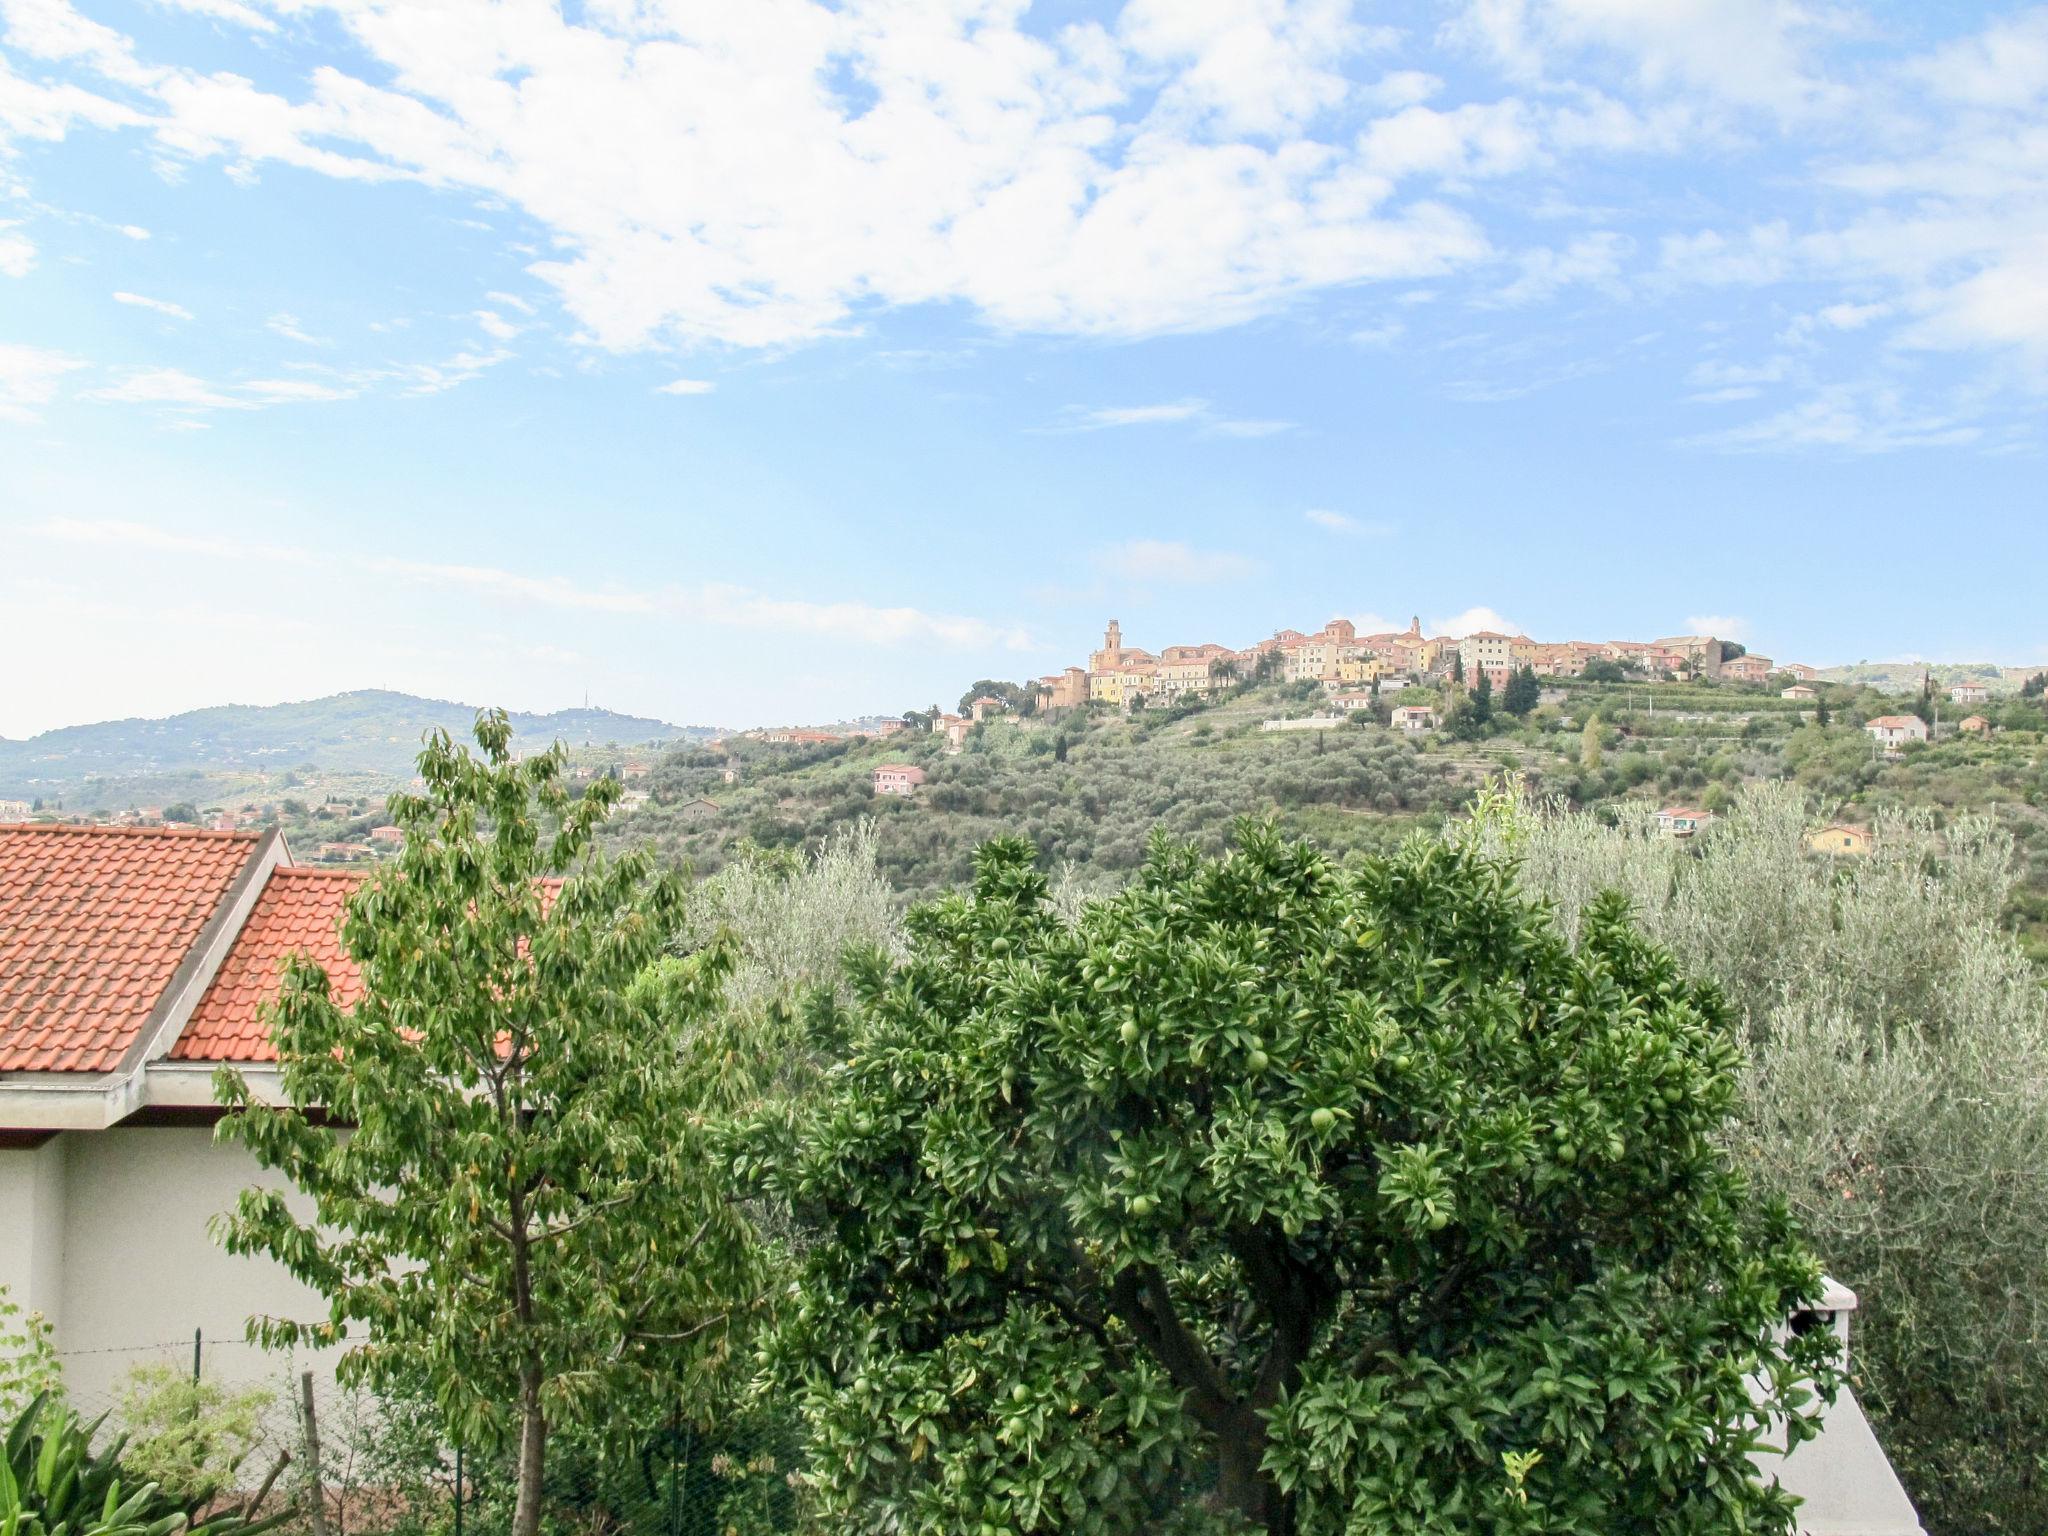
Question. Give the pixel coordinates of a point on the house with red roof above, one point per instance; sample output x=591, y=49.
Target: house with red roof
x=134, y=962
x=1893, y=731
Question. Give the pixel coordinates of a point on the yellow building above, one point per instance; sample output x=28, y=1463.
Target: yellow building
x=1840, y=838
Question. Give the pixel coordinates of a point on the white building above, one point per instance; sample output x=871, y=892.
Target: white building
x=1414, y=717
x=1896, y=730
x=1970, y=693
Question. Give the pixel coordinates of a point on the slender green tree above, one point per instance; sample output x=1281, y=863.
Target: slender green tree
x=1275, y=1194
x=526, y=1211
x=1522, y=693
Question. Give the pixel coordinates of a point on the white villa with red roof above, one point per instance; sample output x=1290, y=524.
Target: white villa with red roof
x=134, y=962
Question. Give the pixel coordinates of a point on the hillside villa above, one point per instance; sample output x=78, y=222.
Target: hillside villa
x=1969, y=693
x=1840, y=837
x=898, y=779
x=1896, y=730
x=1683, y=820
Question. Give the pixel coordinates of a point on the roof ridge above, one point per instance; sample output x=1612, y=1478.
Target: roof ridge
x=249, y=834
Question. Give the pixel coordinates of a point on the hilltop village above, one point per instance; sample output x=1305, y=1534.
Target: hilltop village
x=1337, y=655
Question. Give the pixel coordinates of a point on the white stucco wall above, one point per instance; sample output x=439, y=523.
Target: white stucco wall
x=106, y=1233
x=31, y=1226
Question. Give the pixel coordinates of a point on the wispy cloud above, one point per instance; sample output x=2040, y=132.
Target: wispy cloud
x=176, y=390
x=739, y=607
x=17, y=252
x=1722, y=626
x=1472, y=620
x=1345, y=523
x=28, y=379
x=1251, y=428
x=685, y=387
x=1171, y=561
x=1162, y=414
x=289, y=328
x=722, y=604
x=1847, y=418
x=161, y=306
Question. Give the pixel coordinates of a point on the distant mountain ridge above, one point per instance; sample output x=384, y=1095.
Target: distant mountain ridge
x=370, y=731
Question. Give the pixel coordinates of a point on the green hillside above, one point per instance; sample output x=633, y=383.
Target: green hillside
x=370, y=732
x=1089, y=787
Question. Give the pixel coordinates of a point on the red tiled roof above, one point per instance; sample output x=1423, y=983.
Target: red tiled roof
x=94, y=924
x=299, y=912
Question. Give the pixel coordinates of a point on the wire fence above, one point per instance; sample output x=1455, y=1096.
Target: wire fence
x=245, y=1432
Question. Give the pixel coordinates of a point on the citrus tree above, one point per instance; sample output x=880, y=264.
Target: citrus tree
x=1279, y=1195
x=526, y=1212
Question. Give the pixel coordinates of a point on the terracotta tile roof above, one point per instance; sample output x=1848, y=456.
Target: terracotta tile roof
x=299, y=912
x=94, y=924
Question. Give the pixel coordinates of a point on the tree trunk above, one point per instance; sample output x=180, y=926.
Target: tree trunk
x=1240, y=1484
x=533, y=1439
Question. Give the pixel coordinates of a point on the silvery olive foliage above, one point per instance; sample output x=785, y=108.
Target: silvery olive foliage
x=1896, y=1098
x=1268, y=1194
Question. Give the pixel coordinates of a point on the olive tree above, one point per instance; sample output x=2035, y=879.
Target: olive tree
x=1273, y=1194
x=526, y=1210
x=1896, y=1096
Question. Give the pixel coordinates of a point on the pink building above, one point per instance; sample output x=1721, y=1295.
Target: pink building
x=898, y=779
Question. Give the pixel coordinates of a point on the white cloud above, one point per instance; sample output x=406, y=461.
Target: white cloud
x=134, y=231
x=845, y=620
x=1722, y=626
x=495, y=325
x=721, y=604
x=1251, y=428
x=165, y=386
x=1459, y=625
x=1170, y=560
x=17, y=252
x=2004, y=66
x=1592, y=259
x=1345, y=523
x=174, y=389
x=161, y=306
x=29, y=378
x=710, y=175
x=490, y=581
x=1741, y=53
x=1141, y=415
x=1848, y=418
x=288, y=327
x=685, y=387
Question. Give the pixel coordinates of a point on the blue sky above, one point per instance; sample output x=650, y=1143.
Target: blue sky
x=776, y=361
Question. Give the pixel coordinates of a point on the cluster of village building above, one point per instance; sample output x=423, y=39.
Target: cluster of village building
x=1339, y=657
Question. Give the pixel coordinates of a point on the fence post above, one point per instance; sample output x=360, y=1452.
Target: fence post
x=458, y=1491
x=316, y=1493
x=195, y=1357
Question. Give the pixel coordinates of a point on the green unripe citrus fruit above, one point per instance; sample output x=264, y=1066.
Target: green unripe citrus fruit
x=1129, y=1033
x=1257, y=1060
x=1142, y=1206
x=1323, y=1119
